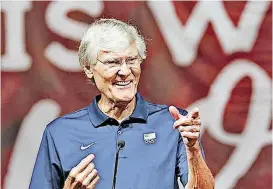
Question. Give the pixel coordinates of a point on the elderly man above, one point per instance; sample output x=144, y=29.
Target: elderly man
x=120, y=140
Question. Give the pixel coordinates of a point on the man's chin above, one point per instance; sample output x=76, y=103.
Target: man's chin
x=124, y=97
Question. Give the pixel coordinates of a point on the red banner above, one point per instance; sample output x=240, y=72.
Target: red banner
x=211, y=54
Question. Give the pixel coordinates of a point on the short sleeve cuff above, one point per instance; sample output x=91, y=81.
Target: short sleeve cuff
x=184, y=179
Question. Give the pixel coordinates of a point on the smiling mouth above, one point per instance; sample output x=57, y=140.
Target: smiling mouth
x=122, y=83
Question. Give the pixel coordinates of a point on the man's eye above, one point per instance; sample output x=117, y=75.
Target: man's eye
x=132, y=60
x=112, y=62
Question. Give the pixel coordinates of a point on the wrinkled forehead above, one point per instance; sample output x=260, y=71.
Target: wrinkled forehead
x=121, y=52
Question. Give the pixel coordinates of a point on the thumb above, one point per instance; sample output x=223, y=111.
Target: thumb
x=174, y=112
x=194, y=113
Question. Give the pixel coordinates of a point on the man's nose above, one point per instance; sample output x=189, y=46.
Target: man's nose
x=124, y=69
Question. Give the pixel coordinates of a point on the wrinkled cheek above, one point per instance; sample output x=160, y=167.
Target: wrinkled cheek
x=137, y=82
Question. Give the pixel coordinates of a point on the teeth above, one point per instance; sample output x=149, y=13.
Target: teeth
x=122, y=83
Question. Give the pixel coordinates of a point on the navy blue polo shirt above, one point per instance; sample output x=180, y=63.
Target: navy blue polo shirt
x=153, y=156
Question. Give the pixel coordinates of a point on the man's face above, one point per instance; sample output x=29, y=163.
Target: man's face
x=116, y=74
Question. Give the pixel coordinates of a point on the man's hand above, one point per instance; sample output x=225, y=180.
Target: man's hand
x=188, y=126
x=83, y=176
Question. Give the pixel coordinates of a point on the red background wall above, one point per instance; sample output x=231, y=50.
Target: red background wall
x=164, y=78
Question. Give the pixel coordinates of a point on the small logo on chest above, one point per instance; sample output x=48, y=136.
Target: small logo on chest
x=89, y=145
x=149, y=138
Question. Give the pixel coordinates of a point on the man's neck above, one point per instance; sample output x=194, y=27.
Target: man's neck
x=116, y=110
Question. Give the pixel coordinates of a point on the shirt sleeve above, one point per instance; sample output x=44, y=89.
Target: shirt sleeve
x=47, y=170
x=182, y=169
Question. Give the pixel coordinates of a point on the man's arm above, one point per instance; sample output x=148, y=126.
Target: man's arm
x=199, y=176
x=47, y=169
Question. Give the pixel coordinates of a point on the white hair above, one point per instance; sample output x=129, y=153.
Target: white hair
x=109, y=35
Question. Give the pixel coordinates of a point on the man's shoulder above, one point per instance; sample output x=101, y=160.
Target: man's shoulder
x=162, y=108
x=76, y=114
x=66, y=119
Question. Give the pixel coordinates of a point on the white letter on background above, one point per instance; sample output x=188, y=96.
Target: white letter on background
x=183, y=40
x=27, y=143
x=15, y=58
x=256, y=133
x=59, y=23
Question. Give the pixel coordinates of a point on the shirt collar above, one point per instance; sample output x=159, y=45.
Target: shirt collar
x=97, y=117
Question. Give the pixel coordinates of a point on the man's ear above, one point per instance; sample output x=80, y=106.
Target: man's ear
x=88, y=71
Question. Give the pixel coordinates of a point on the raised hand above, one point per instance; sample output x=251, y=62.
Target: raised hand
x=188, y=126
x=83, y=176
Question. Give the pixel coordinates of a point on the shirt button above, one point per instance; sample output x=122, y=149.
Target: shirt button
x=119, y=132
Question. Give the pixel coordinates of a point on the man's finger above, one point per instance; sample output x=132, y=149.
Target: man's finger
x=174, y=112
x=182, y=122
x=194, y=113
x=194, y=128
x=196, y=121
x=191, y=135
x=69, y=180
x=90, y=177
x=86, y=171
x=82, y=165
x=94, y=182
